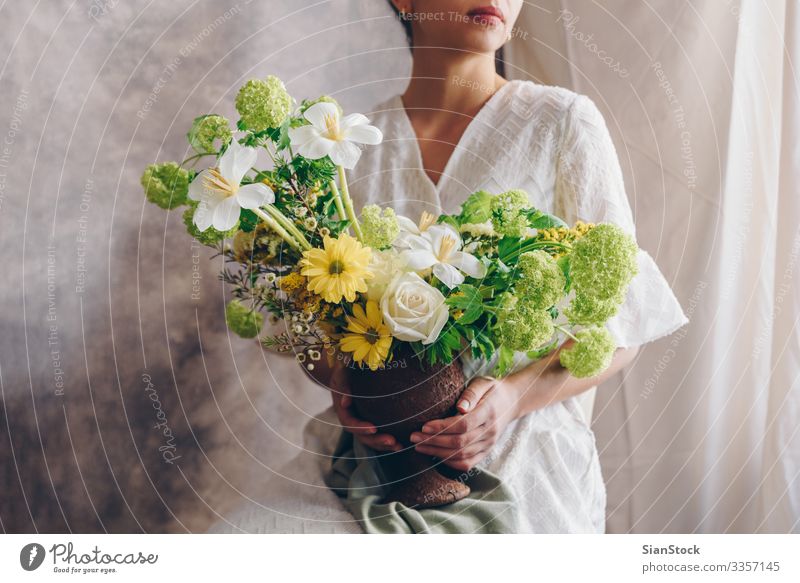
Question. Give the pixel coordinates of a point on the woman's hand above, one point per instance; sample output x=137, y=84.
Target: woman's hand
x=486, y=408
x=364, y=431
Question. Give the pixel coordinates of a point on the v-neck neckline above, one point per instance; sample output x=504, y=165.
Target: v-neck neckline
x=462, y=141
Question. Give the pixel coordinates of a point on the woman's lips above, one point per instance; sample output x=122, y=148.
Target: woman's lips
x=487, y=15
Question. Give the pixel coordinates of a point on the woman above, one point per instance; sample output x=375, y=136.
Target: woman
x=461, y=127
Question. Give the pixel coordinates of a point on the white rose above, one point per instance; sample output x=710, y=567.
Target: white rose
x=413, y=309
x=384, y=265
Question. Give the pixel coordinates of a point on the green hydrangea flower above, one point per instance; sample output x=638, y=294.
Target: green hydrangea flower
x=521, y=327
x=506, y=216
x=323, y=99
x=589, y=310
x=206, y=130
x=591, y=354
x=541, y=282
x=242, y=320
x=603, y=262
x=263, y=103
x=379, y=229
x=166, y=185
x=210, y=236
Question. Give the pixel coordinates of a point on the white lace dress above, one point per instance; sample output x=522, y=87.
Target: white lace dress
x=555, y=145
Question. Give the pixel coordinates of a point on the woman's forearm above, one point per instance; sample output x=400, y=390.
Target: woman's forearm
x=546, y=382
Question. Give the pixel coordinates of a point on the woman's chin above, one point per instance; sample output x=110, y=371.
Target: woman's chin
x=482, y=39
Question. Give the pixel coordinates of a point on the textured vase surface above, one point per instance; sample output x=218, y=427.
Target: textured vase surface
x=399, y=399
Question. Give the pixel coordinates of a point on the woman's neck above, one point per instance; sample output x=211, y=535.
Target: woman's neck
x=450, y=81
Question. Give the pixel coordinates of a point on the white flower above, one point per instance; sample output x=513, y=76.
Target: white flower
x=331, y=135
x=479, y=229
x=439, y=247
x=410, y=228
x=414, y=310
x=384, y=265
x=220, y=193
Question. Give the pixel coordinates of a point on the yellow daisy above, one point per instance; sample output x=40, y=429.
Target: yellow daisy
x=369, y=339
x=339, y=270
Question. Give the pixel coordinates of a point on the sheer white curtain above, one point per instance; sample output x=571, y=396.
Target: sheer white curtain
x=702, y=433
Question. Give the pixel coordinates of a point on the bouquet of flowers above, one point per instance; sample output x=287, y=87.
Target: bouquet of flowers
x=498, y=278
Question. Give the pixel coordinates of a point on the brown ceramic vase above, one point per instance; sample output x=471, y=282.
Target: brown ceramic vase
x=399, y=400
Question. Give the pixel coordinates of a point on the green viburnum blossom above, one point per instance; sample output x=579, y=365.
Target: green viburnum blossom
x=263, y=103
x=379, y=229
x=324, y=99
x=603, y=262
x=591, y=354
x=242, y=320
x=541, y=282
x=506, y=216
x=521, y=327
x=210, y=236
x=589, y=310
x=478, y=230
x=206, y=130
x=166, y=185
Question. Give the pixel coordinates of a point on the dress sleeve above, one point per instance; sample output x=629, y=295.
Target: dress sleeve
x=589, y=187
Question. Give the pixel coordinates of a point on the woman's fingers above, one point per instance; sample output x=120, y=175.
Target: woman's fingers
x=473, y=394
x=350, y=422
x=342, y=402
x=380, y=442
x=456, y=423
x=471, y=416
x=451, y=440
x=453, y=455
x=364, y=431
x=339, y=387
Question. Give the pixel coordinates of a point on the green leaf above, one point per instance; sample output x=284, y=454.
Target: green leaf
x=335, y=227
x=477, y=208
x=450, y=340
x=480, y=342
x=504, y=361
x=544, y=351
x=563, y=263
x=488, y=292
x=469, y=300
x=248, y=220
x=539, y=220
x=283, y=140
x=508, y=249
x=448, y=220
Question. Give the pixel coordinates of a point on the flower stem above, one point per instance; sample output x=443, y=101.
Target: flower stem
x=197, y=156
x=289, y=226
x=273, y=224
x=565, y=331
x=337, y=200
x=531, y=245
x=348, y=204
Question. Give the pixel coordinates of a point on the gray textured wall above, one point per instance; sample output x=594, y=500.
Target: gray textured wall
x=97, y=307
